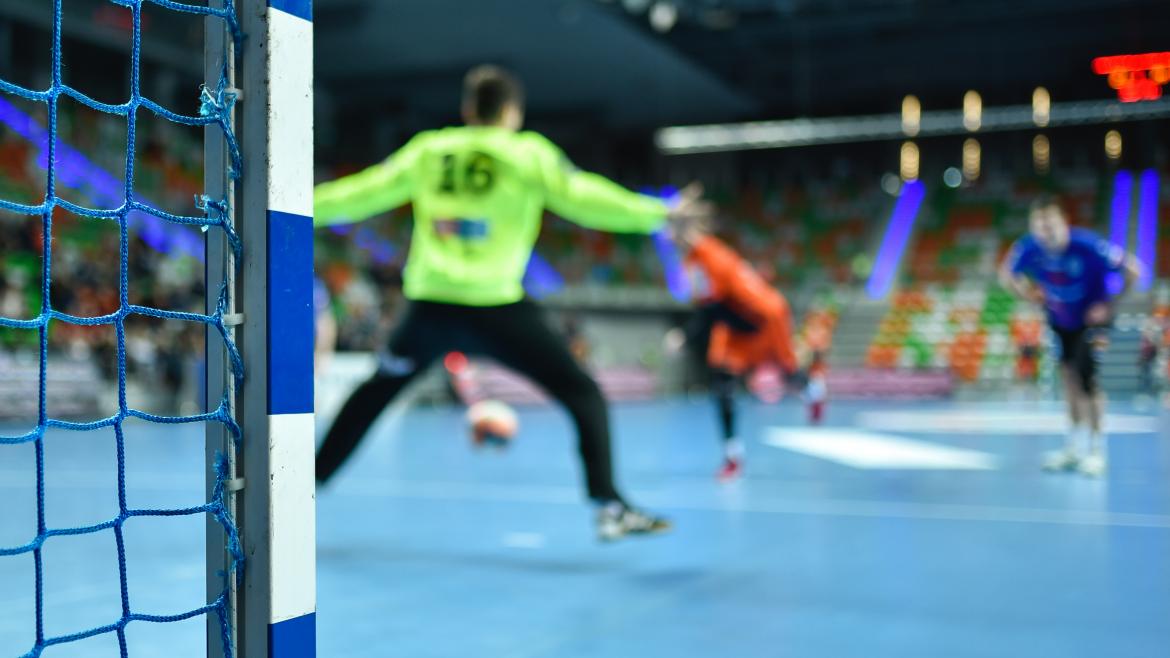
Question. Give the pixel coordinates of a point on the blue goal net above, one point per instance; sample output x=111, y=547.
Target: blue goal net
x=211, y=108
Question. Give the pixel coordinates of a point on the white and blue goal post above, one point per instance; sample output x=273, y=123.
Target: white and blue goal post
x=274, y=607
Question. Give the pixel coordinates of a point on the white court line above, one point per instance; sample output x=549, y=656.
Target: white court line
x=999, y=422
x=870, y=450
x=528, y=540
x=544, y=495
x=749, y=503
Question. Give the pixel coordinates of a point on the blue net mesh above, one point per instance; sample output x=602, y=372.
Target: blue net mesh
x=208, y=213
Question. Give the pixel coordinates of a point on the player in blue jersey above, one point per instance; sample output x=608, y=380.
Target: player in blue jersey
x=1070, y=271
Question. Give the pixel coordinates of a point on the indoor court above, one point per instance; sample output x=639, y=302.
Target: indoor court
x=584, y=329
x=805, y=556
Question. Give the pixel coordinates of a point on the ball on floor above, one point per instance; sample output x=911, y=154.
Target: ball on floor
x=493, y=423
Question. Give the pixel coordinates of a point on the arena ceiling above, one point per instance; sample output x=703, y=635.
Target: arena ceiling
x=600, y=63
x=733, y=59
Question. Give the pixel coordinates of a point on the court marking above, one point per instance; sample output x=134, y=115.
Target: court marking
x=870, y=450
x=525, y=540
x=998, y=422
x=753, y=504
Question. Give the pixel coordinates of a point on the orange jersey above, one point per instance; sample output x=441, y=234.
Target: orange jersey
x=733, y=282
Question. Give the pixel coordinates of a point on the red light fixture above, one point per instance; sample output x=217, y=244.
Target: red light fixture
x=1135, y=77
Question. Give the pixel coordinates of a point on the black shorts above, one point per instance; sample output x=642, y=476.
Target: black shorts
x=1080, y=353
x=706, y=316
x=516, y=335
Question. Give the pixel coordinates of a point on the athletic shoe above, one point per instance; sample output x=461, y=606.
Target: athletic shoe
x=616, y=521
x=731, y=470
x=1094, y=466
x=1061, y=461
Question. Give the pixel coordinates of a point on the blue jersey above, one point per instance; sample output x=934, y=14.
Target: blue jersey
x=1072, y=280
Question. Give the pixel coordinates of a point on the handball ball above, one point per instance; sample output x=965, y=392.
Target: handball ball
x=767, y=384
x=492, y=423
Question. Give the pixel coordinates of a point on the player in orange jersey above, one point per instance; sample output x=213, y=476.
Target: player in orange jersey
x=741, y=322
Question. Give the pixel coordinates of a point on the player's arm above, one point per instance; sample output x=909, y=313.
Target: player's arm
x=1013, y=278
x=594, y=201
x=1018, y=284
x=1131, y=271
x=734, y=284
x=718, y=263
x=373, y=190
x=1117, y=259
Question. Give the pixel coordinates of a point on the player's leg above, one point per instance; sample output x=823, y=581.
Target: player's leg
x=692, y=338
x=1073, y=398
x=1068, y=458
x=723, y=385
x=519, y=337
x=817, y=393
x=414, y=346
x=723, y=391
x=816, y=412
x=726, y=357
x=1092, y=403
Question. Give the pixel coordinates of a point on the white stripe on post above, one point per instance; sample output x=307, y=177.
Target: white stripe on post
x=290, y=126
x=293, y=584
x=291, y=446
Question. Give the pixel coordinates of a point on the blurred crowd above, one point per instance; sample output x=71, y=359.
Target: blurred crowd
x=163, y=265
x=808, y=235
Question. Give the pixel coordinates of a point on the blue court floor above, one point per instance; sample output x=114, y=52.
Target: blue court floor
x=898, y=530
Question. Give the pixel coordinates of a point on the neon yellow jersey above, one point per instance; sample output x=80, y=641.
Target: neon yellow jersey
x=479, y=193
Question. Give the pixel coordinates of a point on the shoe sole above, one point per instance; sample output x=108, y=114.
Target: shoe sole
x=636, y=533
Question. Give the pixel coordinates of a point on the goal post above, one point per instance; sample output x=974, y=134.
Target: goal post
x=271, y=314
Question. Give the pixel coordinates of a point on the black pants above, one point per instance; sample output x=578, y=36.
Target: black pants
x=723, y=384
x=723, y=388
x=517, y=336
x=698, y=329
x=1078, y=351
